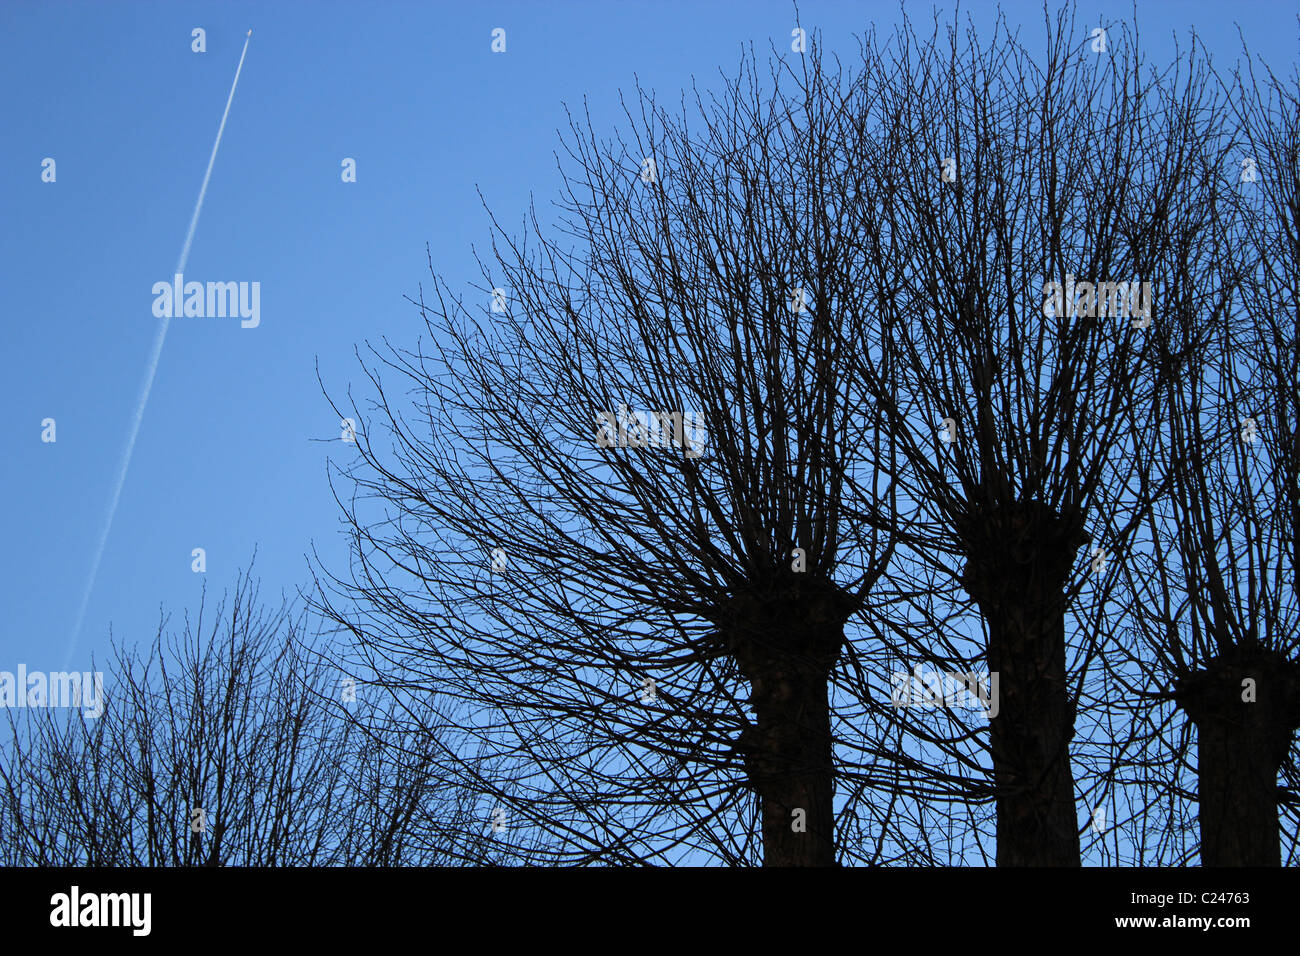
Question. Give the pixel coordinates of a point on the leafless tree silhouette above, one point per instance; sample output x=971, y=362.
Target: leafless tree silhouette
x=658, y=637
x=1211, y=585
x=1005, y=171
x=230, y=743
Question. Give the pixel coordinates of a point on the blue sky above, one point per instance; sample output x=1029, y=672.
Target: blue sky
x=232, y=451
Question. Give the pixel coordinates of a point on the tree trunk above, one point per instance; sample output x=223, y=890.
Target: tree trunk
x=786, y=648
x=1019, y=564
x=790, y=765
x=1246, y=706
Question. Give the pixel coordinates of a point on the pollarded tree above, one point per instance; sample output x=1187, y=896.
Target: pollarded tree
x=1025, y=256
x=1213, y=583
x=613, y=532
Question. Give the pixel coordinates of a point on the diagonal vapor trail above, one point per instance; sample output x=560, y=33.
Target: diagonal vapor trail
x=152, y=371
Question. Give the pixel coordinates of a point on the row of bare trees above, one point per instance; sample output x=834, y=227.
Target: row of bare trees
x=584, y=630
x=916, y=451
x=230, y=742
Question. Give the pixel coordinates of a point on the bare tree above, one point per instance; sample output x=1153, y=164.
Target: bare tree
x=1212, y=584
x=1014, y=402
x=614, y=530
x=231, y=743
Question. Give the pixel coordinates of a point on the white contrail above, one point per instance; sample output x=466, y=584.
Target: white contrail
x=154, y=355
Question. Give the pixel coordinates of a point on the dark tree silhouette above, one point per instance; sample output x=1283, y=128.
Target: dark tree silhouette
x=1003, y=172
x=667, y=606
x=1212, y=586
x=230, y=743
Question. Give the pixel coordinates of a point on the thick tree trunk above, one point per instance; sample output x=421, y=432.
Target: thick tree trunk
x=790, y=764
x=1246, y=706
x=1030, y=737
x=786, y=647
x=1017, y=572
